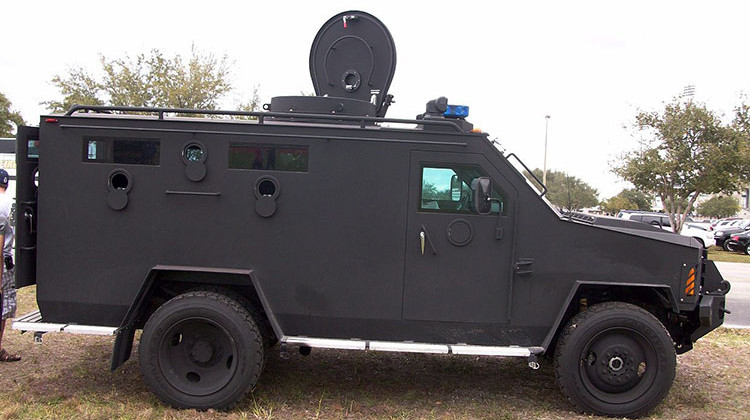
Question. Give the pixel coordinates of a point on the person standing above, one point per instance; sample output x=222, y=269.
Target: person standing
x=8, y=277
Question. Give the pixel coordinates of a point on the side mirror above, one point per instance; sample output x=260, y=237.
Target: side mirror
x=482, y=189
x=456, y=190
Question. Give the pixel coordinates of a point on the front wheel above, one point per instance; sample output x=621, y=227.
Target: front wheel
x=726, y=246
x=201, y=350
x=747, y=249
x=615, y=359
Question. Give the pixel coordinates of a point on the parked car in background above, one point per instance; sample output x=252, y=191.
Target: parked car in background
x=722, y=234
x=702, y=235
x=723, y=222
x=739, y=242
x=702, y=224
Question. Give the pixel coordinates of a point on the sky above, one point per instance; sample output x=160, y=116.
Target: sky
x=590, y=65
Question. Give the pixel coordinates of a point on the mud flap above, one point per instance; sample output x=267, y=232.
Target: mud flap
x=123, y=347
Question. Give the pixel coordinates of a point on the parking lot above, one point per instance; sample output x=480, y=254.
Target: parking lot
x=738, y=299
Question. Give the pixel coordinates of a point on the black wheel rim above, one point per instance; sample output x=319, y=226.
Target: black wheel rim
x=197, y=356
x=618, y=365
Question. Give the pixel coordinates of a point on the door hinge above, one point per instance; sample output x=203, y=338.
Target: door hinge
x=525, y=266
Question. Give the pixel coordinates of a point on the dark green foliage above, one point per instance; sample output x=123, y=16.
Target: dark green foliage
x=641, y=200
x=568, y=192
x=627, y=199
x=148, y=80
x=719, y=207
x=9, y=119
x=686, y=150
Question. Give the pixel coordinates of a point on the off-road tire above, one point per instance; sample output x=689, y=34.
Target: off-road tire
x=630, y=339
x=201, y=350
x=260, y=317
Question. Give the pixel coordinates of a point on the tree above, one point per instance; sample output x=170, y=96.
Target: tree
x=568, y=192
x=614, y=204
x=8, y=118
x=719, y=207
x=686, y=151
x=148, y=80
x=641, y=200
x=627, y=199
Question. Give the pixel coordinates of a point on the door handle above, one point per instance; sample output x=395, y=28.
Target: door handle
x=424, y=237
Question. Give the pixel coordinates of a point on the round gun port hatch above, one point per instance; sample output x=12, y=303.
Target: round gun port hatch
x=460, y=232
x=266, y=192
x=194, y=152
x=351, y=80
x=119, y=184
x=194, y=157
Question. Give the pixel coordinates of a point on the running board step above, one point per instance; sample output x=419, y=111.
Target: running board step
x=33, y=322
x=410, y=347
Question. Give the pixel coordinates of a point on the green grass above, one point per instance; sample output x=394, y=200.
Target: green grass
x=68, y=377
x=715, y=253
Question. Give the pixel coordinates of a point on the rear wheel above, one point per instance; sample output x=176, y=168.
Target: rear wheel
x=615, y=359
x=201, y=350
x=726, y=246
x=747, y=249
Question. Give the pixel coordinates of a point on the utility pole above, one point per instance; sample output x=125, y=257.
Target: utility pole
x=546, y=129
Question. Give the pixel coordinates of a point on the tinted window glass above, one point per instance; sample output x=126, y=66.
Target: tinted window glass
x=33, y=149
x=447, y=189
x=269, y=158
x=125, y=151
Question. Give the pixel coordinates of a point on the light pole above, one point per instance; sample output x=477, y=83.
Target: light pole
x=546, y=129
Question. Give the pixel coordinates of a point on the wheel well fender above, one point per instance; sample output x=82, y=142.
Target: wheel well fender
x=166, y=281
x=638, y=293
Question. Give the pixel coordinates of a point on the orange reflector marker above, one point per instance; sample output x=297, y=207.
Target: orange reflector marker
x=476, y=130
x=690, y=289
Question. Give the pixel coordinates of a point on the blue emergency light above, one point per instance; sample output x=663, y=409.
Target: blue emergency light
x=456, y=111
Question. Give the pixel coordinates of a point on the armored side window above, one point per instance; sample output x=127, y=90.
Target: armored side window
x=33, y=149
x=268, y=158
x=447, y=189
x=125, y=151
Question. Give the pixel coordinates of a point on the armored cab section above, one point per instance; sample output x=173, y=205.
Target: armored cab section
x=317, y=224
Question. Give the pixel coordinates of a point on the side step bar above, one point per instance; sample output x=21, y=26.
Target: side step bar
x=33, y=322
x=411, y=347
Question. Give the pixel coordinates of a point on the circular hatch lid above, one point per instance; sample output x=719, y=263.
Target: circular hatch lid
x=353, y=56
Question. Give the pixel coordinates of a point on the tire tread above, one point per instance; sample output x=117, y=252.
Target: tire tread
x=246, y=317
x=583, y=318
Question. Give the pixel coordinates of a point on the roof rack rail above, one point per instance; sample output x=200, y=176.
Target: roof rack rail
x=260, y=115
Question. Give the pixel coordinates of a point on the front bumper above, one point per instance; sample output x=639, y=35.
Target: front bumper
x=710, y=314
x=712, y=301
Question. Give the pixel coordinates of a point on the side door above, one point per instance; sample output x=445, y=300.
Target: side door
x=27, y=167
x=458, y=265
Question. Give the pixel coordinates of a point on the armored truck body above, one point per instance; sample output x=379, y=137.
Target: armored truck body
x=323, y=225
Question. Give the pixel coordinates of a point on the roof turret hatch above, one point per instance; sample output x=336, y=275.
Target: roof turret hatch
x=352, y=62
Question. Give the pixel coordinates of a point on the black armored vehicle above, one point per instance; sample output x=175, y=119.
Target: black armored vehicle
x=321, y=223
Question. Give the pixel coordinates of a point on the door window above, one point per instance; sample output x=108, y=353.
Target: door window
x=447, y=189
